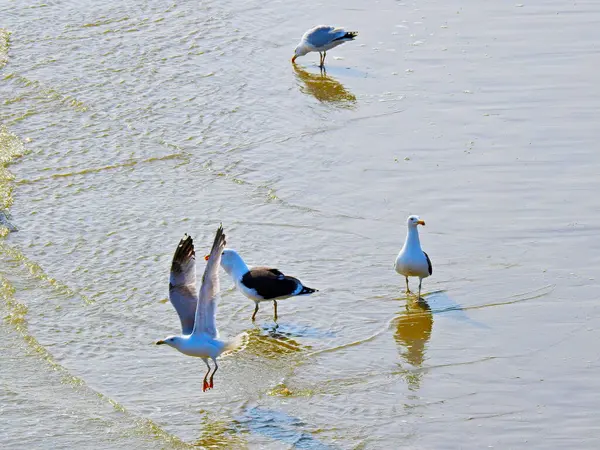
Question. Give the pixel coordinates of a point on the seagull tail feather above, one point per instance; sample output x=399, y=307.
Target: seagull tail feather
x=306, y=290
x=349, y=36
x=237, y=344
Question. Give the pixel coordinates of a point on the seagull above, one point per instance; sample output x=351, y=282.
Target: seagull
x=320, y=39
x=412, y=261
x=261, y=284
x=197, y=310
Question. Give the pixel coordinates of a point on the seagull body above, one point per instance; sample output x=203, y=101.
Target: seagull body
x=261, y=284
x=412, y=261
x=197, y=310
x=320, y=39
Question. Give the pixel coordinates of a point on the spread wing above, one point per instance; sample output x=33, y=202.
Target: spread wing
x=322, y=35
x=209, y=291
x=429, y=263
x=182, y=283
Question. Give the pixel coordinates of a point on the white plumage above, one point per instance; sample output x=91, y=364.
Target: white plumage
x=197, y=310
x=412, y=261
x=261, y=284
x=320, y=39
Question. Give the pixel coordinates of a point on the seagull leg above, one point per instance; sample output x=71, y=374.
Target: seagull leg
x=320, y=59
x=275, y=310
x=255, y=311
x=407, y=289
x=205, y=386
x=420, y=281
x=210, y=385
x=324, y=55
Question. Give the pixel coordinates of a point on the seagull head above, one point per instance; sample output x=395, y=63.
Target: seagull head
x=232, y=262
x=300, y=50
x=171, y=341
x=414, y=221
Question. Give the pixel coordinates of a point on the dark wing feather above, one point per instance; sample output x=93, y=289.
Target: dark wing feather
x=350, y=35
x=270, y=283
x=277, y=272
x=182, y=283
x=429, y=263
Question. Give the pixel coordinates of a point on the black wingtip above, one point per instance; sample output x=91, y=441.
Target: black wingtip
x=430, y=266
x=184, y=252
x=306, y=290
x=350, y=35
x=186, y=245
x=219, y=237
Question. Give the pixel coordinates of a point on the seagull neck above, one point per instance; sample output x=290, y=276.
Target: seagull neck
x=412, y=238
x=239, y=269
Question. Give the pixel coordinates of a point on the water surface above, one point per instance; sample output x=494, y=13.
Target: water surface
x=125, y=125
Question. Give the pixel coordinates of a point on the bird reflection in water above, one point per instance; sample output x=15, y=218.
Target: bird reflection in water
x=324, y=88
x=413, y=330
x=271, y=343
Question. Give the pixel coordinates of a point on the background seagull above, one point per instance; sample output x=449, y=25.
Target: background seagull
x=197, y=311
x=261, y=284
x=412, y=261
x=320, y=39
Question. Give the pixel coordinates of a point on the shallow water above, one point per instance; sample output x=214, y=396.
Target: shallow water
x=126, y=125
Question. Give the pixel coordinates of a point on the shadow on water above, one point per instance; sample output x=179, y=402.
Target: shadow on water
x=445, y=306
x=412, y=332
x=325, y=89
x=279, y=426
x=290, y=330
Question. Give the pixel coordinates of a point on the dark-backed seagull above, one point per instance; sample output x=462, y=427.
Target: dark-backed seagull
x=261, y=284
x=412, y=261
x=197, y=309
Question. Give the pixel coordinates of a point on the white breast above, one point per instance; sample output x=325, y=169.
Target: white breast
x=250, y=293
x=201, y=346
x=412, y=264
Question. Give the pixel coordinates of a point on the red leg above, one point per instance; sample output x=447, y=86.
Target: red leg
x=213, y=374
x=205, y=385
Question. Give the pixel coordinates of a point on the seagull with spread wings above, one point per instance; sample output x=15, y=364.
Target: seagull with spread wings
x=197, y=310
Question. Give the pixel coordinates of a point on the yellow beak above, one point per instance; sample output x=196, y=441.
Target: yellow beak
x=421, y=222
x=207, y=257
x=294, y=59
x=160, y=342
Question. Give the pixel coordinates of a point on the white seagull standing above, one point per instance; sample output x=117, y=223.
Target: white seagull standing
x=197, y=310
x=412, y=261
x=320, y=39
x=261, y=284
